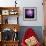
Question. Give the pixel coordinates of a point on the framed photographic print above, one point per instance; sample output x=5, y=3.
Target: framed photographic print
x=5, y=19
x=13, y=12
x=12, y=20
x=5, y=12
x=6, y=34
x=9, y=19
x=30, y=13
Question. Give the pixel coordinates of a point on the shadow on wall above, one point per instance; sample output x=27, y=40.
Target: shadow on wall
x=37, y=29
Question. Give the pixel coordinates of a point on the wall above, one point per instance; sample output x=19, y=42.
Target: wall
x=38, y=5
x=7, y=3
x=27, y=3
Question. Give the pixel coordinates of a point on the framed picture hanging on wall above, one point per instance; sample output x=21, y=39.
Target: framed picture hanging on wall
x=5, y=12
x=30, y=13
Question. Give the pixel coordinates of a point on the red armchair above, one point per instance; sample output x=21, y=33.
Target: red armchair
x=29, y=36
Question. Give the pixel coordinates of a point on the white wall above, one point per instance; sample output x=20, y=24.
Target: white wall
x=26, y=3
x=38, y=5
x=7, y=3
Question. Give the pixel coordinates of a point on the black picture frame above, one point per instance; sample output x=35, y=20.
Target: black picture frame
x=30, y=13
